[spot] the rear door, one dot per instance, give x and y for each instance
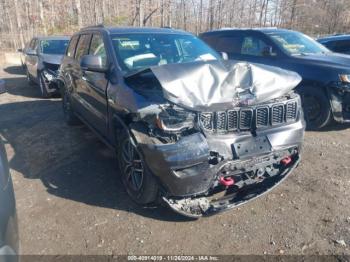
(31, 59)
(77, 75)
(95, 86)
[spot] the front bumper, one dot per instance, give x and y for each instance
(206, 206)
(191, 168)
(340, 102)
(50, 81)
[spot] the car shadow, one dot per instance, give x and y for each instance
(69, 161)
(15, 70)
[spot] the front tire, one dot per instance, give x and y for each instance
(29, 78)
(138, 180)
(316, 105)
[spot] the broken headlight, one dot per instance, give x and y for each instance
(48, 75)
(175, 119)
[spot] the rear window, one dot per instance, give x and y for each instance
(230, 44)
(342, 46)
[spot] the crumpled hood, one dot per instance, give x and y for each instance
(51, 59)
(220, 85)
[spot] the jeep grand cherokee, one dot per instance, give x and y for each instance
(199, 133)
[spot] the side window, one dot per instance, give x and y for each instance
(253, 46)
(229, 44)
(342, 46)
(97, 47)
(83, 46)
(33, 44)
(36, 43)
(72, 45)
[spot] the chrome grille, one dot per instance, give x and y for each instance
(248, 118)
(277, 114)
(221, 121)
(232, 120)
(206, 120)
(262, 116)
(291, 111)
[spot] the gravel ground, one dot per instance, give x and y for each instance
(70, 200)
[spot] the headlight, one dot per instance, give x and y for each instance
(174, 119)
(48, 76)
(345, 78)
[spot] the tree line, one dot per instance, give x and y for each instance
(22, 19)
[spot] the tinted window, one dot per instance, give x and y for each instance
(342, 46)
(253, 46)
(97, 47)
(230, 44)
(72, 45)
(137, 51)
(83, 46)
(53, 47)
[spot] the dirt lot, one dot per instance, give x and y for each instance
(70, 200)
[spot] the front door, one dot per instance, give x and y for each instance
(95, 87)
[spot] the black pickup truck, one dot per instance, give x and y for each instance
(190, 129)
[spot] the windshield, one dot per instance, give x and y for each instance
(53, 47)
(138, 51)
(295, 43)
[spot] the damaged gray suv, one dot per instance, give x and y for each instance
(190, 129)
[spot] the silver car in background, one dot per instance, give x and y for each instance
(41, 60)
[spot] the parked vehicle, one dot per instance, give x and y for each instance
(186, 127)
(325, 88)
(42, 59)
(337, 43)
(8, 217)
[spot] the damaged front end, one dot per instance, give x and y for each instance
(339, 93)
(227, 137)
(50, 74)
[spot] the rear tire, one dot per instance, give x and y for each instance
(316, 105)
(68, 112)
(138, 180)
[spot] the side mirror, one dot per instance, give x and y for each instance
(268, 51)
(224, 55)
(92, 63)
(31, 52)
(20, 50)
